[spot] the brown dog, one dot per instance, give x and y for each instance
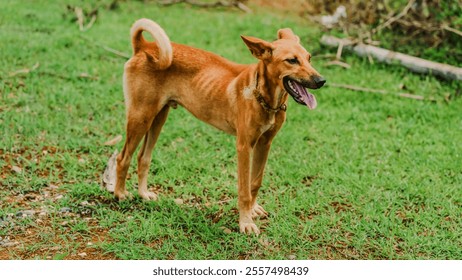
(248, 101)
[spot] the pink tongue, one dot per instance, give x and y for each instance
(307, 97)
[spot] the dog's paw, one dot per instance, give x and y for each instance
(123, 195)
(148, 195)
(247, 226)
(258, 211)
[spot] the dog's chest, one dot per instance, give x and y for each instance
(267, 125)
(265, 128)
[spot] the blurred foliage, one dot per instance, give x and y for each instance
(427, 28)
(431, 29)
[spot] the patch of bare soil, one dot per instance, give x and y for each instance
(42, 231)
(35, 226)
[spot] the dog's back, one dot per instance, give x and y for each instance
(176, 72)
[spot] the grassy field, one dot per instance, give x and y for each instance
(364, 176)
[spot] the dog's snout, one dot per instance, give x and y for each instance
(320, 81)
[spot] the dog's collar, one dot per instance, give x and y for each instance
(262, 101)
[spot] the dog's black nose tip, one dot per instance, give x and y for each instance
(320, 81)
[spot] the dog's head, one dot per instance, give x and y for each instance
(288, 62)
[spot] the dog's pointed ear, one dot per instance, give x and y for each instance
(287, 33)
(259, 48)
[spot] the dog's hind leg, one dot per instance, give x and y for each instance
(145, 154)
(138, 123)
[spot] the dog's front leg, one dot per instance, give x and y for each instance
(259, 159)
(244, 150)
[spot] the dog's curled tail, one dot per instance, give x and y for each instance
(163, 42)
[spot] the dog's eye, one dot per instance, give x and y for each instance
(292, 60)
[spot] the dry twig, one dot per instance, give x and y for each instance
(221, 3)
(338, 56)
(24, 70)
(114, 51)
(113, 141)
(395, 18)
(106, 48)
(338, 63)
(450, 29)
(90, 24)
(380, 91)
(79, 13)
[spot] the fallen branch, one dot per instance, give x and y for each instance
(81, 18)
(106, 48)
(237, 4)
(338, 55)
(90, 24)
(24, 71)
(338, 63)
(113, 141)
(84, 75)
(414, 64)
(380, 91)
(56, 75)
(453, 30)
(116, 52)
(50, 73)
(79, 14)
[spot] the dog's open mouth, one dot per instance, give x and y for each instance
(299, 93)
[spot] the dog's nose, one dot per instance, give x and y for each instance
(320, 81)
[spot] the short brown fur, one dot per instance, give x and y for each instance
(161, 75)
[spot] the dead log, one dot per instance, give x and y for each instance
(413, 63)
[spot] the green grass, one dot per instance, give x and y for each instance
(364, 176)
